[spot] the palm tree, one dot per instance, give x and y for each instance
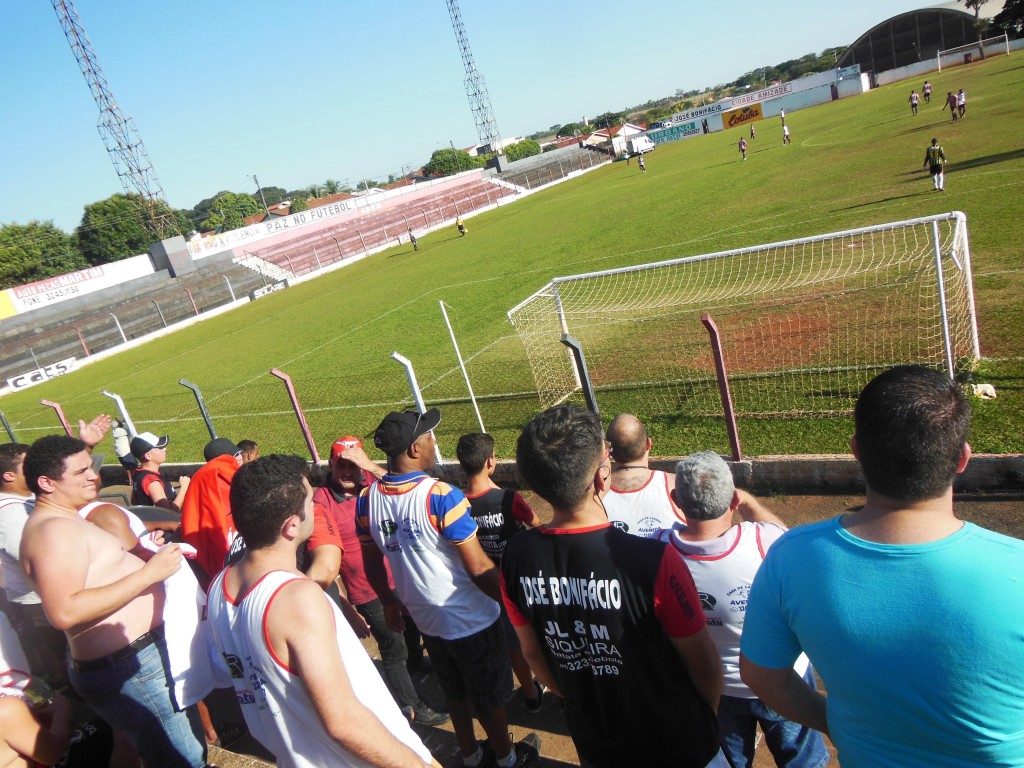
(332, 186)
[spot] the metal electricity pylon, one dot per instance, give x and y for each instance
(476, 88)
(122, 140)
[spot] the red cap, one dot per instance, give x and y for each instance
(348, 441)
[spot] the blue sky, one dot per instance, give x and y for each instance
(302, 91)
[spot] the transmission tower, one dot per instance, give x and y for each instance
(118, 132)
(476, 88)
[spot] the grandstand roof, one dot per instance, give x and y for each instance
(910, 37)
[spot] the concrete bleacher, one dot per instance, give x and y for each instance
(378, 226)
(532, 172)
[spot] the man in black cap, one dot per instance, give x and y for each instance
(148, 485)
(446, 582)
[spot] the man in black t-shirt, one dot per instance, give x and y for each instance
(610, 622)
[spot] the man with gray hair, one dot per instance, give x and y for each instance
(723, 558)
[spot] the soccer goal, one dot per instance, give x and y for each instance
(804, 323)
(964, 54)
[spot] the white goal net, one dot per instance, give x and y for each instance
(963, 54)
(804, 323)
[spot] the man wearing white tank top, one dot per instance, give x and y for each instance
(308, 690)
(639, 500)
(723, 558)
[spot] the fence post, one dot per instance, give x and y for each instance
(35, 359)
(81, 338)
(582, 374)
(7, 427)
(231, 290)
(417, 396)
(424, 212)
(340, 254)
(125, 417)
(723, 386)
(60, 415)
(119, 328)
(202, 406)
(362, 241)
(298, 412)
(190, 298)
(316, 256)
(159, 312)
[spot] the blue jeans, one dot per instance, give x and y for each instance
(134, 695)
(791, 744)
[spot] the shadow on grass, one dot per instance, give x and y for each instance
(917, 128)
(889, 199)
(977, 162)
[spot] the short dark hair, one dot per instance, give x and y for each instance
(46, 458)
(9, 455)
(473, 451)
(558, 452)
(911, 424)
(265, 493)
(245, 446)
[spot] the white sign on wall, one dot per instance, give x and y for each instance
(39, 375)
(53, 290)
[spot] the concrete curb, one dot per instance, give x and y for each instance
(765, 475)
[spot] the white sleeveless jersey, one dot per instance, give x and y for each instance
(14, 512)
(430, 579)
(184, 629)
(275, 703)
(646, 511)
(723, 582)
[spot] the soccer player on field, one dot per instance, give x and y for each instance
(927, 92)
(951, 103)
(743, 148)
(914, 100)
(935, 158)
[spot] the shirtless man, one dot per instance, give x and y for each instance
(109, 603)
(639, 498)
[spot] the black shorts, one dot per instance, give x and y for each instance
(934, 170)
(476, 666)
(89, 745)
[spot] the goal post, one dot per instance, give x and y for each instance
(983, 48)
(805, 323)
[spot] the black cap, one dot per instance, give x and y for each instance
(219, 447)
(144, 443)
(400, 429)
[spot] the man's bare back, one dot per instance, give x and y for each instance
(66, 554)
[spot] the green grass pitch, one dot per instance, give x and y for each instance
(852, 163)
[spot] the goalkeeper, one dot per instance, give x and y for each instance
(935, 159)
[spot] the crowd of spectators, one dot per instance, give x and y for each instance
(669, 616)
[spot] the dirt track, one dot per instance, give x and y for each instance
(1002, 512)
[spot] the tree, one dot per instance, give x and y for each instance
(332, 186)
(116, 228)
(1011, 18)
(299, 203)
(979, 25)
(446, 161)
(228, 211)
(522, 149)
(570, 129)
(273, 195)
(32, 251)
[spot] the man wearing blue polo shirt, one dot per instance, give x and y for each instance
(446, 582)
(910, 615)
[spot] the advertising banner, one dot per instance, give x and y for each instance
(53, 290)
(764, 94)
(675, 132)
(690, 114)
(742, 116)
(265, 290)
(39, 375)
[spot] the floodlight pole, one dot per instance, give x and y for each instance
(202, 406)
(7, 427)
(132, 432)
(582, 374)
(417, 396)
(723, 386)
(462, 366)
(60, 415)
(298, 412)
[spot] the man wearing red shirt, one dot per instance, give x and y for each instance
(335, 550)
(206, 521)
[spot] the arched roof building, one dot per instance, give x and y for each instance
(909, 38)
